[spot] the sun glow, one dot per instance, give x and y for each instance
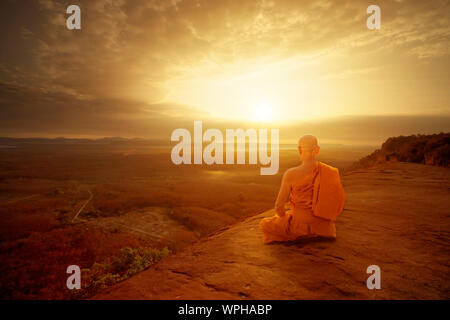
(262, 111)
(267, 93)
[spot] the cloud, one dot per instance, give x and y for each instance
(30, 111)
(131, 48)
(128, 53)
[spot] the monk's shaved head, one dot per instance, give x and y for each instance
(308, 148)
(308, 142)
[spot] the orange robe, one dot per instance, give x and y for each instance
(315, 201)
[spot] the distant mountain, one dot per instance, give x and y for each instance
(8, 141)
(426, 149)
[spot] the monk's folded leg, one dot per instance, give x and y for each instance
(324, 229)
(275, 228)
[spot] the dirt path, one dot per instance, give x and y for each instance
(122, 221)
(396, 217)
(75, 217)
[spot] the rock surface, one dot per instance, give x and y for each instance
(397, 216)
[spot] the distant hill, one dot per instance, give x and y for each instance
(425, 149)
(9, 141)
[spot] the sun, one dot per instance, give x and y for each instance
(262, 111)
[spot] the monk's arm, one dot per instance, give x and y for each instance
(283, 195)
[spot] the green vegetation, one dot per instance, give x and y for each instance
(118, 268)
(426, 149)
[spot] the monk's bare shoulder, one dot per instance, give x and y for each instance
(290, 172)
(295, 174)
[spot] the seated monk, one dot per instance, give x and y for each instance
(315, 195)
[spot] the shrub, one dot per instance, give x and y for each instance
(118, 268)
(426, 149)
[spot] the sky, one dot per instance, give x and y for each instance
(145, 68)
